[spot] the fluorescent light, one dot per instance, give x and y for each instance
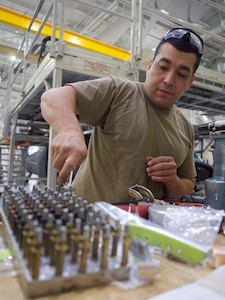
(12, 58)
(164, 12)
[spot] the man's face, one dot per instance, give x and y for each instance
(169, 76)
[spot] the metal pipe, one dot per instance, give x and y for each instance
(25, 62)
(132, 36)
(149, 11)
(40, 29)
(7, 106)
(185, 24)
(140, 26)
(36, 12)
(96, 26)
(54, 21)
(25, 40)
(61, 26)
(19, 50)
(104, 9)
(11, 148)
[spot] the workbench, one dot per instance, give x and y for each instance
(172, 274)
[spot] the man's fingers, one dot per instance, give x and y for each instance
(65, 171)
(62, 178)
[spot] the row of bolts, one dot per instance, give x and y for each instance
(56, 223)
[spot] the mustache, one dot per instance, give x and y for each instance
(165, 89)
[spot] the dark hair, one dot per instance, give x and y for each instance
(181, 45)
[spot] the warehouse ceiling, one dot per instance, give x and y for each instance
(110, 21)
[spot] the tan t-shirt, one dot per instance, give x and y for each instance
(127, 129)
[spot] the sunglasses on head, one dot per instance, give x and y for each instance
(189, 35)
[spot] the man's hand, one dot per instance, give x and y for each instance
(162, 169)
(68, 152)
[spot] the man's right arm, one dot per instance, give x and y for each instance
(59, 108)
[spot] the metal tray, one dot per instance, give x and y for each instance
(48, 283)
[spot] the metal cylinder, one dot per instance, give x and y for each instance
(219, 159)
(215, 193)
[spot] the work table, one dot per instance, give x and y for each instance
(172, 274)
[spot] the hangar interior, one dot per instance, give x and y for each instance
(48, 43)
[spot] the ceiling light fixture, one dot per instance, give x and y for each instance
(12, 58)
(164, 12)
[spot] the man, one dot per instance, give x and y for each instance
(139, 137)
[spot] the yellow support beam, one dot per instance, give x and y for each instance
(14, 19)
